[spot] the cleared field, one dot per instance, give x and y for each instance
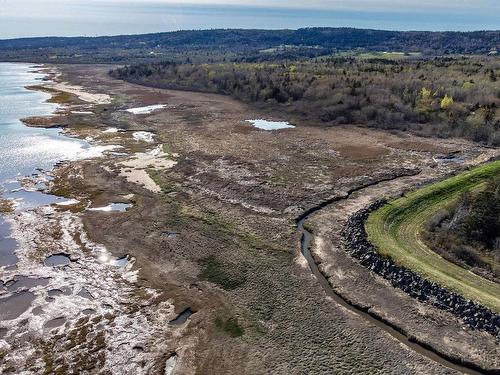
(395, 230)
(393, 55)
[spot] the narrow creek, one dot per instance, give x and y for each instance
(305, 245)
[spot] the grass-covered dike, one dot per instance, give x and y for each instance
(396, 231)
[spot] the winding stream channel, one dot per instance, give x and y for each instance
(420, 348)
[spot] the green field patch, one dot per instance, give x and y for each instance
(229, 326)
(221, 274)
(396, 231)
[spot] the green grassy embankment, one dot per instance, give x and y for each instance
(396, 231)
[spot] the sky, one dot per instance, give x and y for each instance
(26, 18)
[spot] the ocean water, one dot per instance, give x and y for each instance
(24, 150)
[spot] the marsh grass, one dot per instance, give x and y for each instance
(221, 274)
(6, 206)
(230, 326)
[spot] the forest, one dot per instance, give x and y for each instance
(468, 232)
(442, 96)
(219, 45)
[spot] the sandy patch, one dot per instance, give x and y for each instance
(81, 93)
(135, 168)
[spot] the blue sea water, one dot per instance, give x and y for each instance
(23, 149)
(26, 151)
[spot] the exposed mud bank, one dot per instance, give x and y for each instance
(357, 244)
(403, 172)
(67, 304)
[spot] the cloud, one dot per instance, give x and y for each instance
(353, 5)
(107, 17)
(51, 8)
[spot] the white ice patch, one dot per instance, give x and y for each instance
(82, 112)
(69, 202)
(145, 110)
(170, 364)
(111, 130)
(112, 207)
(81, 93)
(143, 136)
(63, 149)
(270, 125)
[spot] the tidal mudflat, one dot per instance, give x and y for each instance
(53, 278)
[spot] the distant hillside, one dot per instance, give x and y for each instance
(233, 44)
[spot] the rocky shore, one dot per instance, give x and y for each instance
(356, 243)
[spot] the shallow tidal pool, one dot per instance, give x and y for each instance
(270, 125)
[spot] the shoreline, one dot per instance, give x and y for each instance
(66, 298)
(97, 183)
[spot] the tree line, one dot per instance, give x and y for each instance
(444, 97)
(233, 44)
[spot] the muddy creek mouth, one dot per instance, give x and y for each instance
(305, 244)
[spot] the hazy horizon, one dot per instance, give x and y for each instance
(32, 18)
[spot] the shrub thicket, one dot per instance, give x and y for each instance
(469, 231)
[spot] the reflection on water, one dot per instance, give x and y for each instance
(119, 207)
(270, 125)
(13, 306)
(182, 317)
(22, 148)
(57, 260)
(25, 200)
(24, 151)
(121, 262)
(57, 322)
(7, 245)
(26, 282)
